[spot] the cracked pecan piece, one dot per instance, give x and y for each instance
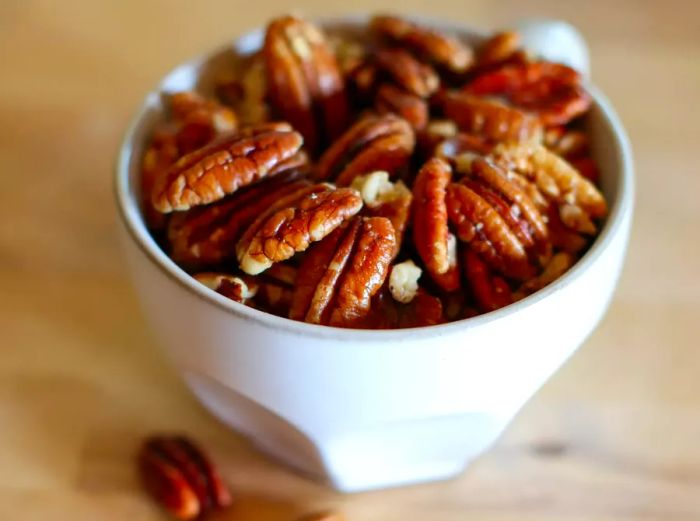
(431, 234)
(551, 90)
(490, 119)
(373, 143)
(442, 50)
(207, 235)
(303, 79)
(481, 225)
(382, 198)
(490, 291)
(223, 166)
(410, 107)
(229, 286)
(339, 276)
(292, 223)
(578, 199)
(181, 478)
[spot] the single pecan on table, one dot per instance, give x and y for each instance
(441, 183)
(181, 478)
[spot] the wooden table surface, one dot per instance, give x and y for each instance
(615, 435)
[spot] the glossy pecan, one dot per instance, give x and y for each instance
(373, 143)
(557, 266)
(461, 149)
(181, 478)
(382, 198)
(207, 235)
(222, 167)
(490, 291)
(489, 119)
(304, 82)
(410, 107)
(292, 223)
(439, 48)
(578, 199)
(498, 48)
(551, 90)
(431, 234)
(481, 225)
(407, 72)
(339, 276)
(387, 313)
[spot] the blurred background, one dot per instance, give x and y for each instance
(614, 435)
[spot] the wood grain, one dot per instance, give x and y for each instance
(613, 436)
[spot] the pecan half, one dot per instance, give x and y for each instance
(481, 225)
(551, 90)
(207, 235)
(407, 72)
(461, 149)
(304, 82)
(410, 107)
(339, 276)
(293, 223)
(498, 48)
(557, 266)
(373, 143)
(439, 48)
(431, 235)
(488, 118)
(558, 181)
(181, 478)
(222, 167)
(382, 198)
(491, 292)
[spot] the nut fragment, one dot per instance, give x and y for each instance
(489, 119)
(441, 49)
(229, 286)
(558, 265)
(382, 198)
(373, 143)
(181, 478)
(304, 80)
(403, 281)
(222, 167)
(293, 223)
(339, 276)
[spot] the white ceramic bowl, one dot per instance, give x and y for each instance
(369, 409)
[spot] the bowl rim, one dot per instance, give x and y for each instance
(131, 219)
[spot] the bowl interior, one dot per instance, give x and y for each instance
(610, 149)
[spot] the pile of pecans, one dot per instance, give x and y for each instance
(402, 180)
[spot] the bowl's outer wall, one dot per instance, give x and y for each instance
(376, 413)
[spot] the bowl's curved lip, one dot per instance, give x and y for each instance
(129, 213)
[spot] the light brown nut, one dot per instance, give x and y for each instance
(441, 49)
(229, 286)
(489, 119)
(557, 266)
(410, 107)
(490, 292)
(403, 281)
(207, 235)
(386, 313)
(482, 227)
(554, 176)
(562, 237)
(304, 80)
(180, 477)
(293, 223)
(498, 48)
(407, 72)
(430, 222)
(222, 167)
(245, 89)
(340, 275)
(382, 198)
(373, 143)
